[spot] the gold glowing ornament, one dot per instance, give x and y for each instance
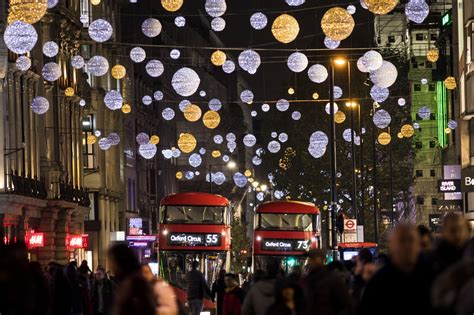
(291, 91)
(447, 130)
(400, 135)
(69, 92)
(218, 58)
(407, 131)
(339, 117)
(118, 72)
(450, 83)
(248, 173)
(432, 55)
(91, 139)
(95, 2)
(211, 119)
(179, 175)
(172, 5)
(126, 108)
(192, 113)
(384, 138)
(285, 28)
(380, 6)
(315, 96)
(186, 142)
(337, 23)
(28, 11)
(154, 139)
(216, 153)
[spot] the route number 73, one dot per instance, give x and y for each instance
(303, 244)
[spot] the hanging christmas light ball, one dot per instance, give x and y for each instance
(274, 134)
(97, 133)
(180, 21)
(282, 105)
(218, 24)
(384, 138)
(337, 23)
(228, 66)
(283, 137)
(175, 54)
(114, 138)
(230, 137)
(450, 83)
(77, 62)
(380, 7)
(315, 151)
(256, 160)
(51, 71)
(192, 113)
(185, 81)
(113, 100)
(189, 175)
(351, 9)
(258, 21)
(249, 60)
(339, 117)
(118, 72)
(379, 94)
(291, 91)
(417, 10)
(50, 49)
(183, 104)
(274, 146)
(452, 124)
(172, 5)
(249, 140)
(337, 92)
(167, 113)
(424, 112)
(296, 115)
(240, 180)
(151, 27)
(96, 2)
(407, 130)
(69, 92)
(195, 160)
(297, 62)
(105, 144)
(361, 65)
(215, 8)
(147, 150)
(186, 142)
(218, 58)
(315, 96)
(158, 95)
(347, 135)
(82, 103)
(317, 73)
(265, 107)
(432, 55)
(231, 146)
(216, 153)
(167, 154)
(147, 100)
(424, 81)
(100, 30)
(331, 43)
(142, 138)
(327, 108)
(91, 139)
(382, 119)
(246, 96)
(23, 63)
(372, 60)
(154, 139)
(401, 101)
(363, 4)
(385, 76)
(295, 3)
(137, 54)
(399, 135)
(20, 37)
(211, 119)
(214, 104)
(154, 68)
(28, 11)
(39, 105)
(285, 28)
(126, 109)
(218, 178)
(98, 66)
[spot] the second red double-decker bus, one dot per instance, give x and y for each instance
(285, 230)
(193, 227)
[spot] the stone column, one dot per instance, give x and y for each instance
(49, 217)
(102, 249)
(62, 231)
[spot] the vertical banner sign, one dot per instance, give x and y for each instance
(350, 231)
(452, 172)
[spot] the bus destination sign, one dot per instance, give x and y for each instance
(194, 239)
(286, 245)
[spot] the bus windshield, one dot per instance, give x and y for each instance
(286, 222)
(193, 215)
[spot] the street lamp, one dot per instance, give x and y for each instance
(230, 165)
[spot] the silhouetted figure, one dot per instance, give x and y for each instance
(102, 293)
(196, 289)
(218, 290)
(288, 299)
(165, 297)
(41, 289)
(233, 296)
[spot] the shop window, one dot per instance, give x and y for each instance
(432, 116)
(431, 87)
(419, 37)
(419, 145)
(434, 201)
(432, 144)
(391, 39)
(434, 37)
(432, 173)
(420, 200)
(88, 148)
(417, 87)
(419, 173)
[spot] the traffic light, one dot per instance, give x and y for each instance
(291, 262)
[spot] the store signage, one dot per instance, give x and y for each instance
(77, 241)
(467, 183)
(141, 238)
(194, 239)
(449, 205)
(135, 226)
(449, 185)
(435, 221)
(350, 230)
(138, 244)
(286, 245)
(35, 240)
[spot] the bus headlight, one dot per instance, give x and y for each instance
(165, 232)
(223, 233)
(258, 238)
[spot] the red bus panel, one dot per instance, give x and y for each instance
(293, 207)
(194, 237)
(284, 243)
(195, 199)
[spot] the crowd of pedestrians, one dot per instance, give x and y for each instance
(419, 275)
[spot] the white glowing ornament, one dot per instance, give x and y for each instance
(452, 124)
(218, 178)
(218, 24)
(147, 150)
(82, 103)
(185, 81)
(249, 60)
(114, 138)
(274, 146)
(265, 107)
(424, 112)
(151, 27)
(424, 81)
(361, 65)
(50, 49)
(256, 160)
(77, 62)
(294, 3)
(202, 93)
(195, 160)
(282, 105)
(189, 175)
(23, 63)
(297, 62)
(296, 115)
(39, 105)
(183, 104)
(347, 135)
(142, 138)
(175, 54)
(253, 113)
(214, 104)
(316, 151)
(215, 8)
(240, 180)
(158, 95)
(228, 66)
(328, 108)
(52, 3)
(417, 10)
(218, 139)
(319, 138)
(258, 21)
(100, 30)
(379, 94)
(331, 43)
(246, 96)
(385, 76)
(372, 60)
(168, 113)
(154, 68)
(180, 21)
(98, 66)
(351, 9)
(105, 144)
(382, 119)
(147, 100)
(97, 133)
(249, 140)
(137, 54)
(317, 73)
(283, 137)
(401, 101)
(113, 100)
(51, 71)
(20, 37)
(337, 92)
(231, 137)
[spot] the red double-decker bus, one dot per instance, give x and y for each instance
(193, 226)
(285, 230)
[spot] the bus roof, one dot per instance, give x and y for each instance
(194, 199)
(357, 245)
(288, 207)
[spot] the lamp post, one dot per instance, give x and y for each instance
(230, 165)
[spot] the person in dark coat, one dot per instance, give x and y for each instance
(233, 296)
(102, 293)
(218, 291)
(324, 291)
(288, 299)
(196, 289)
(402, 286)
(41, 289)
